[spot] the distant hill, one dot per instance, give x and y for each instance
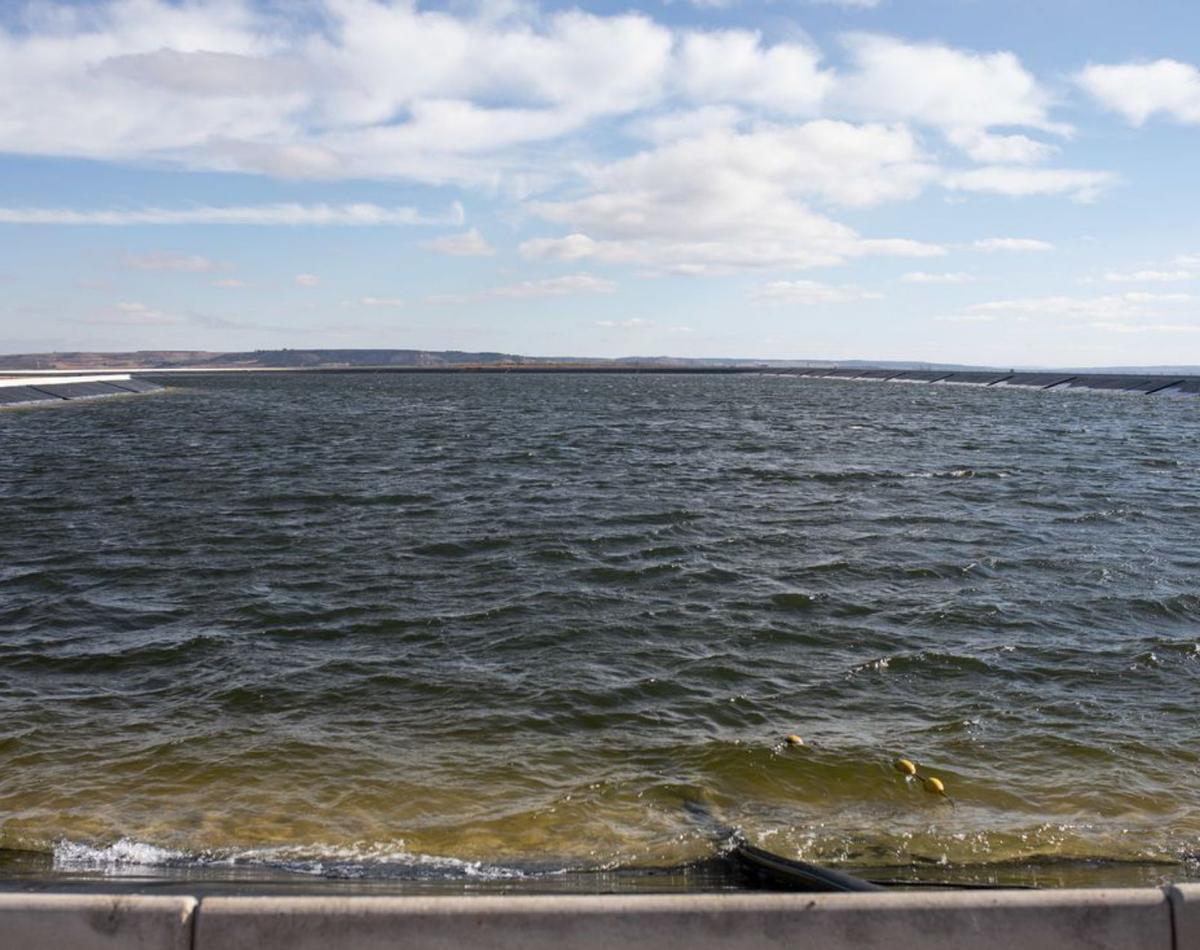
(264, 359)
(365, 358)
(320, 358)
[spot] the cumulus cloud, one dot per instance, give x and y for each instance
(965, 318)
(161, 260)
(547, 287)
(232, 85)
(1147, 327)
(849, 4)
(1149, 276)
(203, 73)
(467, 244)
(728, 201)
(391, 302)
(675, 124)
(1018, 181)
(1012, 244)
(634, 323)
(366, 89)
(1112, 308)
(263, 215)
(1138, 91)
(922, 277)
(942, 86)
(308, 280)
(229, 282)
(736, 66)
(749, 146)
(989, 148)
(807, 293)
(137, 314)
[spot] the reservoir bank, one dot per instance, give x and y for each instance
(24, 390)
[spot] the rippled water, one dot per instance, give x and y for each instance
(337, 623)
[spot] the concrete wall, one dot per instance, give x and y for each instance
(95, 922)
(1139, 919)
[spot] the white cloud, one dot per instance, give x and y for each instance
(941, 86)
(366, 89)
(392, 302)
(161, 260)
(203, 73)
(685, 123)
(735, 66)
(634, 323)
(1138, 296)
(135, 313)
(966, 318)
(467, 244)
(810, 293)
(849, 4)
(1112, 308)
(746, 163)
(1149, 276)
(987, 147)
(233, 85)
(273, 214)
(728, 201)
(548, 287)
(1139, 90)
(1012, 244)
(1018, 181)
(308, 280)
(229, 282)
(921, 277)
(1148, 327)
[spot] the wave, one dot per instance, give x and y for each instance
(888, 475)
(1061, 854)
(383, 861)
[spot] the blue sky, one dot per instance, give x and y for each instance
(945, 180)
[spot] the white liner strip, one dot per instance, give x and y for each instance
(60, 380)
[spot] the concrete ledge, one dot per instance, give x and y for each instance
(95, 922)
(1140, 919)
(1185, 909)
(992, 920)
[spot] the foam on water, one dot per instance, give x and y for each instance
(376, 861)
(121, 855)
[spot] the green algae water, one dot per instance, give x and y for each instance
(491, 626)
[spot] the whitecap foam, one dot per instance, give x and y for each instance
(384, 860)
(390, 859)
(124, 853)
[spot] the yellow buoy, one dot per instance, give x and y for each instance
(794, 739)
(934, 786)
(905, 767)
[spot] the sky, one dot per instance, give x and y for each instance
(993, 182)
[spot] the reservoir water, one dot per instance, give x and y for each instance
(354, 625)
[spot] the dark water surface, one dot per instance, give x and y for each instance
(478, 625)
